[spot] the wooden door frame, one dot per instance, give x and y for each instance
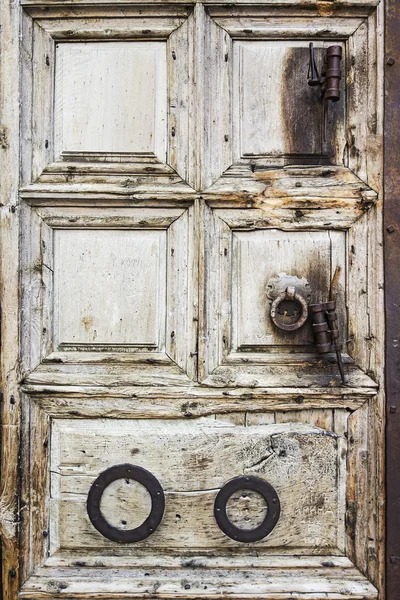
(392, 292)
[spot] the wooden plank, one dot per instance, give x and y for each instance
(69, 189)
(172, 402)
(281, 28)
(340, 427)
(110, 28)
(181, 102)
(215, 332)
(89, 374)
(42, 101)
(322, 583)
(357, 102)
(215, 51)
(39, 484)
(193, 559)
(321, 374)
(182, 299)
(318, 418)
(357, 511)
(9, 298)
(306, 3)
(115, 9)
(26, 97)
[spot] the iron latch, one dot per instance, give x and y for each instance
(325, 325)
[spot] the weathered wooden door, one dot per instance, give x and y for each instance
(174, 200)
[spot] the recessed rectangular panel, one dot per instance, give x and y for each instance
(262, 255)
(111, 97)
(276, 112)
(192, 461)
(109, 287)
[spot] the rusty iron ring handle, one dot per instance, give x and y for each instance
(153, 486)
(289, 294)
(256, 484)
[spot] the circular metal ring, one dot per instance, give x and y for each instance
(289, 296)
(151, 484)
(247, 483)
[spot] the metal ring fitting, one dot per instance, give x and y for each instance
(152, 485)
(289, 294)
(247, 483)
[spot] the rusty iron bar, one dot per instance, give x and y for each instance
(392, 293)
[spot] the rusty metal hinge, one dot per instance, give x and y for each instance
(329, 80)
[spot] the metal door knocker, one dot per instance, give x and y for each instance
(140, 475)
(290, 296)
(247, 483)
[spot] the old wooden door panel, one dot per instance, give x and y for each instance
(192, 461)
(173, 167)
(127, 269)
(257, 259)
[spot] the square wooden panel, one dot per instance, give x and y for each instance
(258, 258)
(272, 117)
(277, 116)
(244, 257)
(102, 99)
(111, 99)
(110, 288)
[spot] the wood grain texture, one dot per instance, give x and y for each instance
(110, 28)
(181, 101)
(239, 337)
(280, 28)
(359, 5)
(125, 272)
